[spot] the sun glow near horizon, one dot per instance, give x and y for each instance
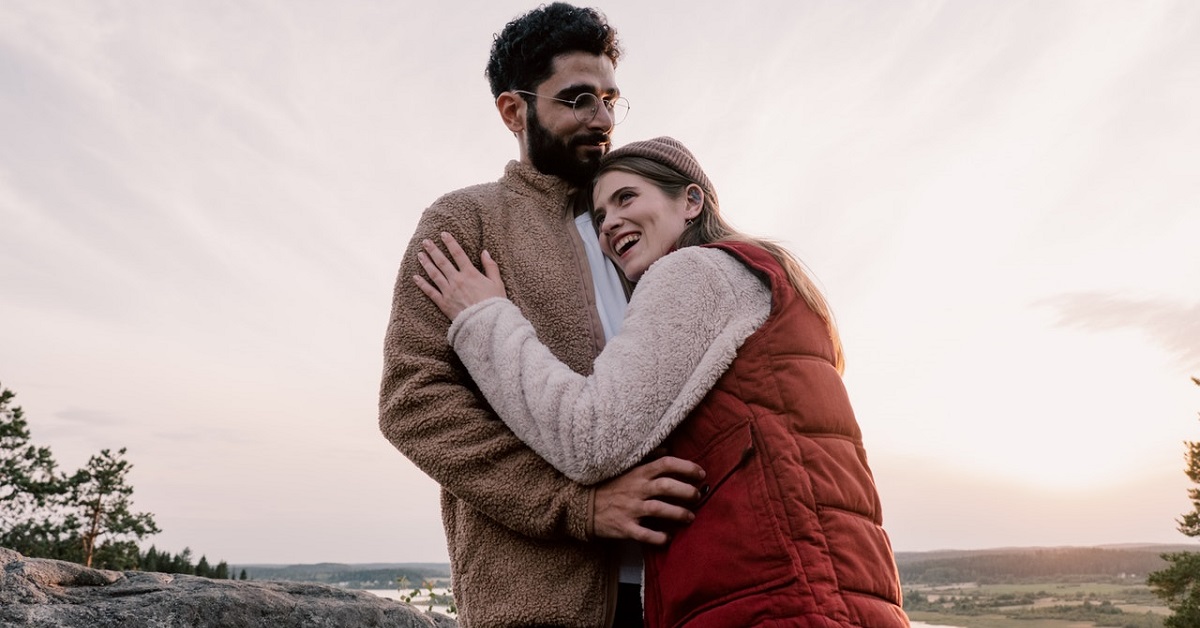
(1050, 409)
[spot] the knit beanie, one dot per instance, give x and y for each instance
(669, 152)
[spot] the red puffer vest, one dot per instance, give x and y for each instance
(788, 531)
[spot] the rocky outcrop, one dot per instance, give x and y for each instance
(56, 594)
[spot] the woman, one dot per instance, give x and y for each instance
(728, 357)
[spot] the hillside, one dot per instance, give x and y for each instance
(1035, 564)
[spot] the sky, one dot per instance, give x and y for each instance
(203, 207)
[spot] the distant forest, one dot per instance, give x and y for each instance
(364, 576)
(1059, 564)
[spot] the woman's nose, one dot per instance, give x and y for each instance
(609, 224)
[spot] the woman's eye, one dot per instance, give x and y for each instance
(625, 196)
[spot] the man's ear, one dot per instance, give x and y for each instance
(512, 110)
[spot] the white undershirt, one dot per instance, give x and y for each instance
(610, 293)
(610, 304)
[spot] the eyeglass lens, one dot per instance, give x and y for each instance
(587, 105)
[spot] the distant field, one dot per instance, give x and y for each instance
(994, 621)
(1035, 587)
(1036, 605)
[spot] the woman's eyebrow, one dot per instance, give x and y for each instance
(617, 192)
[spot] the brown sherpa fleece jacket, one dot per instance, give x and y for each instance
(519, 532)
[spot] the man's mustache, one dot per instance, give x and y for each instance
(591, 140)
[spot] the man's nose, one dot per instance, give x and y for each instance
(603, 120)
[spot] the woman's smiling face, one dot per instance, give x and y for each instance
(639, 222)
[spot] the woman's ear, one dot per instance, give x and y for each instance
(695, 201)
(512, 111)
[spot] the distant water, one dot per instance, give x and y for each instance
(423, 603)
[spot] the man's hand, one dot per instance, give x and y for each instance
(650, 490)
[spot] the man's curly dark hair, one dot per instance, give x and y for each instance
(523, 53)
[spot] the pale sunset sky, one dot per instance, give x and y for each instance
(203, 206)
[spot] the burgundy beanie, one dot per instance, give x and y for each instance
(669, 152)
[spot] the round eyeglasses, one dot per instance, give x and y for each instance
(586, 105)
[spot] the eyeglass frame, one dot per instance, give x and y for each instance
(609, 104)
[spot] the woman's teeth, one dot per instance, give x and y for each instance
(625, 242)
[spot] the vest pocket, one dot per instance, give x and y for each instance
(725, 457)
(732, 549)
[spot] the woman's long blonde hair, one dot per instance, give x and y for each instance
(709, 227)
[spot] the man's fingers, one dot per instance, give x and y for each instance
(660, 490)
(645, 535)
(676, 467)
(669, 512)
(672, 489)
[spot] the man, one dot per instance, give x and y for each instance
(524, 541)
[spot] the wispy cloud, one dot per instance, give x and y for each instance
(1173, 325)
(90, 417)
(196, 434)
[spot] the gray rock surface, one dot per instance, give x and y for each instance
(56, 594)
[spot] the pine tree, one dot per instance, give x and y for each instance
(116, 555)
(149, 561)
(182, 562)
(85, 517)
(100, 501)
(30, 488)
(1179, 582)
(202, 567)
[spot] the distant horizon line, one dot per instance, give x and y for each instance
(1124, 545)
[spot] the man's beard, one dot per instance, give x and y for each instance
(559, 156)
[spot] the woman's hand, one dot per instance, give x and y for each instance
(457, 284)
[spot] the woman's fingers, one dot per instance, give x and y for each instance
(440, 290)
(454, 283)
(443, 263)
(435, 273)
(433, 293)
(490, 267)
(460, 256)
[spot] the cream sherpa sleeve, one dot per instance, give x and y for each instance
(689, 314)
